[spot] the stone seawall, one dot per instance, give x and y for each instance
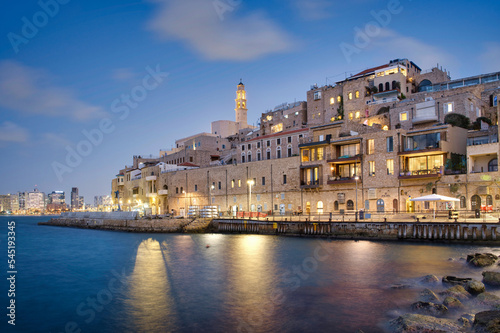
(435, 231)
(142, 225)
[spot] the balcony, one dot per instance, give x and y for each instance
(151, 195)
(162, 192)
(150, 178)
(431, 148)
(345, 159)
(420, 174)
(424, 119)
(136, 177)
(334, 180)
(311, 183)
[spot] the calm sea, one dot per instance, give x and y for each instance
(75, 280)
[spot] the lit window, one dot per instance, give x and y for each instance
(390, 167)
(296, 113)
(339, 98)
(332, 100)
(357, 114)
(357, 93)
(277, 128)
(448, 107)
(350, 115)
(349, 96)
(232, 183)
(286, 116)
(239, 182)
(371, 165)
(317, 95)
(371, 146)
(385, 128)
(403, 116)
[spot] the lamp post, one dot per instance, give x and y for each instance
(356, 178)
(250, 182)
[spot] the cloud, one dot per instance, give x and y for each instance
(391, 44)
(490, 57)
(30, 91)
(216, 32)
(123, 74)
(11, 132)
(312, 10)
(55, 140)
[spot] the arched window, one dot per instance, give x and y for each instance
(350, 205)
(242, 157)
(319, 207)
(380, 87)
(336, 205)
(395, 206)
(387, 86)
(249, 157)
(308, 207)
(357, 94)
(289, 150)
(278, 152)
(462, 202)
(393, 85)
(425, 85)
(258, 155)
(493, 165)
(475, 202)
(380, 206)
(489, 200)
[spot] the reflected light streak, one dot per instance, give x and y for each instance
(150, 296)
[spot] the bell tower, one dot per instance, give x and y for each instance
(241, 106)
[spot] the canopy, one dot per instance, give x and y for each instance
(434, 197)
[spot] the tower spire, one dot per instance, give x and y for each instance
(241, 105)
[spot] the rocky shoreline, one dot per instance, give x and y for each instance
(464, 306)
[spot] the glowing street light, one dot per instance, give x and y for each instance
(356, 178)
(250, 182)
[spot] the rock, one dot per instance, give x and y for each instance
(400, 286)
(482, 259)
(488, 299)
(429, 308)
(458, 292)
(453, 280)
(429, 279)
(452, 303)
(487, 321)
(475, 287)
(491, 278)
(412, 322)
(428, 295)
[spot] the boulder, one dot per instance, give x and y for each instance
(452, 303)
(466, 320)
(488, 299)
(428, 295)
(487, 321)
(429, 279)
(411, 322)
(429, 308)
(491, 278)
(453, 280)
(458, 292)
(475, 287)
(482, 259)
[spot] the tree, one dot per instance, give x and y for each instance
(458, 120)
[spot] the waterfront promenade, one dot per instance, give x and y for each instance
(399, 227)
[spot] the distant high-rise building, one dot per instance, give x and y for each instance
(22, 200)
(35, 200)
(5, 205)
(81, 202)
(75, 198)
(57, 197)
(14, 202)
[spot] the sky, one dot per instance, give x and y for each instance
(85, 85)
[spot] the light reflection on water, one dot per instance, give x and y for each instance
(238, 283)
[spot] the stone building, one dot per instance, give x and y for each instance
(372, 141)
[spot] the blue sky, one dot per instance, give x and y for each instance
(67, 67)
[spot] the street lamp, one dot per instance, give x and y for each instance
(356, 178)
(250, 182)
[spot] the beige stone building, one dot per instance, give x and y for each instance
(372, 141)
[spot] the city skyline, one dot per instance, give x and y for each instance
(66, 70)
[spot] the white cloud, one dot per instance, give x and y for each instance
(313, 10)
(55, 140)
(219, 33)
(394, 45)
(123, 74)
(30, 91)
(490, 57)
(11, 132)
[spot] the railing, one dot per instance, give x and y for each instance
(420, 172)
(460, 83)
(481, 140)
(310, 183)
(136, 177)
